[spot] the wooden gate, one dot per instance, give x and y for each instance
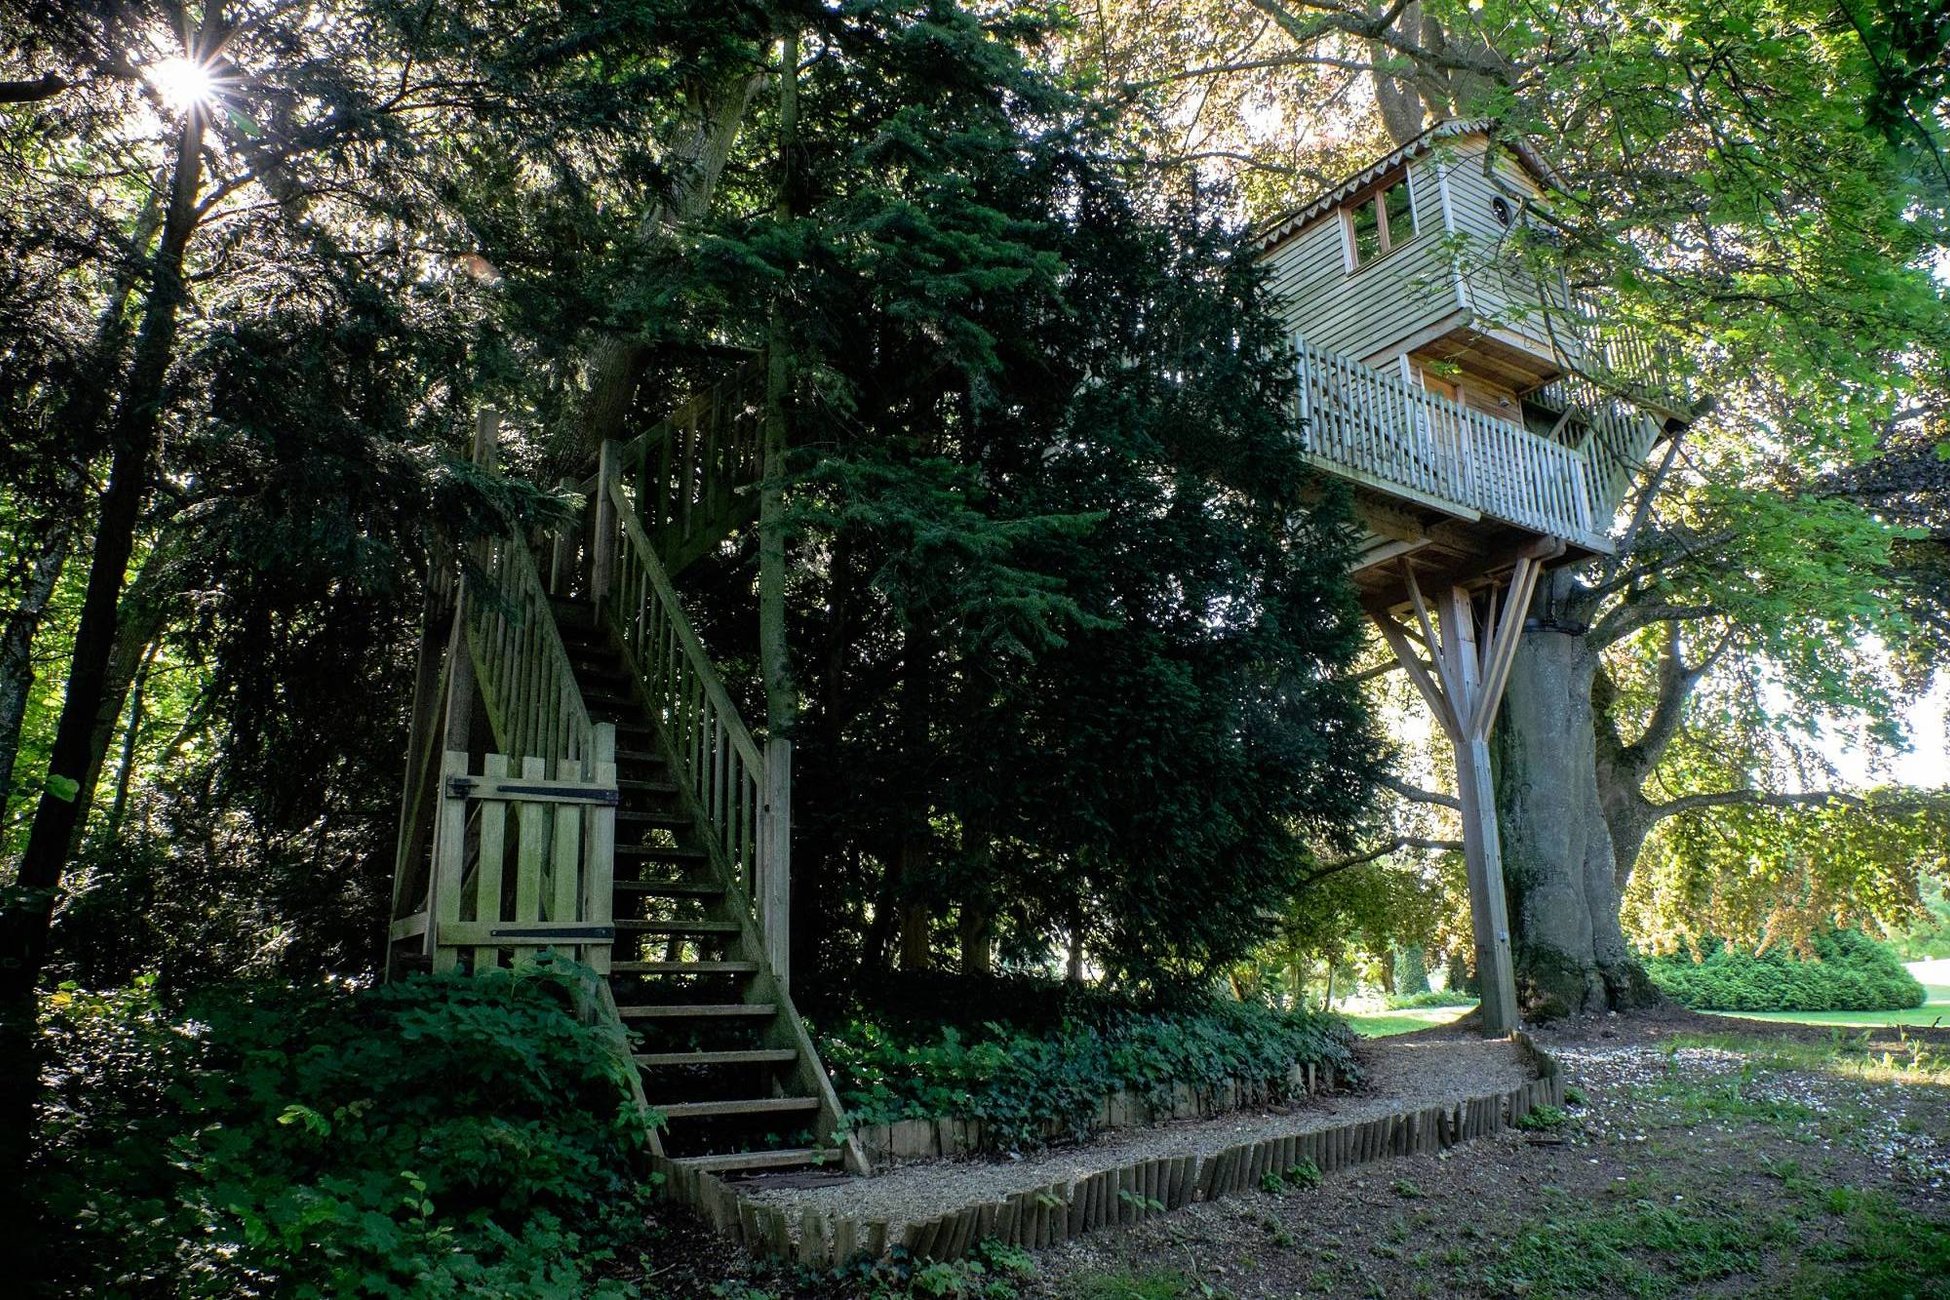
(521, 862)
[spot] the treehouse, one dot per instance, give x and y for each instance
(580, 781)
(1478, 406)
(1488, 418)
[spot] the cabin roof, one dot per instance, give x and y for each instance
(1281, 227)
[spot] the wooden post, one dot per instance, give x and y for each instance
(598, 877)
(1462, 681)
(449, 844)
(560, 557)
(487, 439)
(774, 891)
(602, 547)
(493, 850)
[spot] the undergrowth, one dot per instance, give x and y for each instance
(1026, 1087)
(1429, 998)
(460, 1136)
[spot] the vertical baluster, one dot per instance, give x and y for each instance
(696, 749)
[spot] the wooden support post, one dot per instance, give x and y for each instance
(1462, 681)
(449, 846)
(560, 554)
(602, 546)
(488, 872)
(775, 858)
(487, 439)
(599, 837)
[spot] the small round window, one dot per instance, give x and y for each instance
(1500, 209)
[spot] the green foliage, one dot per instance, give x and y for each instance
(1754, 874)
(434, 1137)
(1430, 998)
(1021, 1085)
(1844, 971)
(1411, 971)
(1927, 936)
(1304, 1177)
(1165, 1284)
(990, 1271)
(1544, 1117)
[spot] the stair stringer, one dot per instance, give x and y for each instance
(786, 1030)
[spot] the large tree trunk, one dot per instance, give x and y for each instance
(1559, 861)
(28, 908)
(695, 161)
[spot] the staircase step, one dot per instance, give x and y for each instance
(745, 1056)
(751, 1106)
(699, 1011)
(606, 700)
(660, 853)
(683, 967)
(654, 817)
(626, 926)
(647, 787)
(785, 1158)
(670, 888)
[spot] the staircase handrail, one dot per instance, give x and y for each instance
(533, 703)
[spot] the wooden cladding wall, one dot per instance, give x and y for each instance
(1382, 305)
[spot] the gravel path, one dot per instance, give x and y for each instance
(1401, 1076)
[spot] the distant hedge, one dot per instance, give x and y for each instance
(1848, 972)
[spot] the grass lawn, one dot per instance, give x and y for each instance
(1381, 1024)
(1934, 976)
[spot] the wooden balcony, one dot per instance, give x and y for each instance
(1445, 473)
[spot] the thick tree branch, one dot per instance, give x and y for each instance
(1395, 845)
(1419, 795)
(45, 86)
(1905, 803)
(1629, 618)
(1677, 682)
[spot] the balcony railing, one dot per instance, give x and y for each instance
(1377, 430)
(1589, 335)
(1622, 356)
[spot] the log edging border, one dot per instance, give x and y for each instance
(1056, 1212)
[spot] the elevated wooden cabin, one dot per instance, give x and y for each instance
(1481, 408)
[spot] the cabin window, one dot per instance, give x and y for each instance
(1382, 221)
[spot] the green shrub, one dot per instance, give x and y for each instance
(1430, 998)
(437, 1137)
(1020, 1084)
(1848, 972)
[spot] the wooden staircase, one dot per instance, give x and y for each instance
(659, 856)
(721, 1051)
